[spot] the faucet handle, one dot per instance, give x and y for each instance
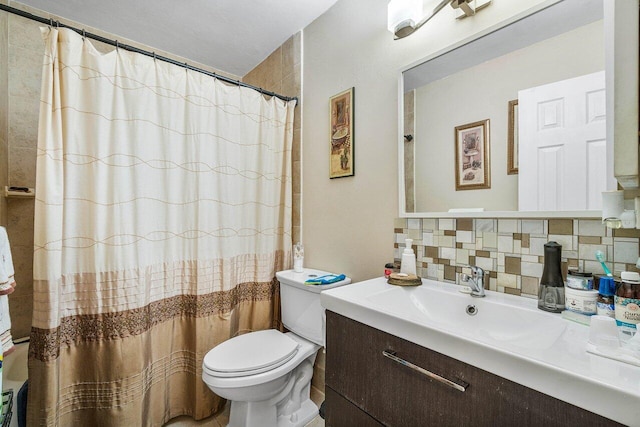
(476, 280)
(475, 270)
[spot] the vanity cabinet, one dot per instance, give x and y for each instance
(366, 388)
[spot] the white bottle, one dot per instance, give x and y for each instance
(408, 262)
(298, 258)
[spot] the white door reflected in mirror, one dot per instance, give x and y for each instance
(563, 146)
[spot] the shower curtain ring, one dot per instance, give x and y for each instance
(83, 34)
(117, 45)
(154, 56)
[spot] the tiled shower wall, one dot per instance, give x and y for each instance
(409, 149)
(281, 72)
(4, 114)
(511, 251)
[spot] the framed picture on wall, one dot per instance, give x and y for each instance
(341, 134)
(512, 139)
(472, 167)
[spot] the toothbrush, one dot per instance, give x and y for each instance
(600, 257)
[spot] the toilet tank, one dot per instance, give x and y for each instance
(302, 313)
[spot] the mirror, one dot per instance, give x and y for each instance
(455, 103)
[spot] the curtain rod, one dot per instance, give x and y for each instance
(119, 45)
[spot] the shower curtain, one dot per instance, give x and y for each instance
(163, 211)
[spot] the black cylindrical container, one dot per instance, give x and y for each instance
(551, 290)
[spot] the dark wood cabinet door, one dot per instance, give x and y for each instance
(344, 414)
(398, 396)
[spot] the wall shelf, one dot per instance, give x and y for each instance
(12, 192)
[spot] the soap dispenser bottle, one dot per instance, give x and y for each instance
(551, 290)
(298, 258)
(408, 262)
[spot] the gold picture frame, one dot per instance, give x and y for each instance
(473, 166)
(512, 139)
(341, 139)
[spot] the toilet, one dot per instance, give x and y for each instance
(266, 375)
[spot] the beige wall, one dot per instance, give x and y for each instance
(348, 222)
(21, 53)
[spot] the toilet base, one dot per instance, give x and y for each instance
(303, 416)
(291, 407)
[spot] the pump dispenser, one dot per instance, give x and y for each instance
(298, 258)
(551, 290)
(408, 262)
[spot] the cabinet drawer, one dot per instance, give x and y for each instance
(397, 395)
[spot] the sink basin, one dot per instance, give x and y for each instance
(507, 336)
(461, 314)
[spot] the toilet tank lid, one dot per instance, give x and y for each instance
(292, 278)
(250, 352)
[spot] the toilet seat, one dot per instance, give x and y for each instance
(250, 354)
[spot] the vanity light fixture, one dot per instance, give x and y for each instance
(404, 17)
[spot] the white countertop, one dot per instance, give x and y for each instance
(554, 363)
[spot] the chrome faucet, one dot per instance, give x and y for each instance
(475, 281)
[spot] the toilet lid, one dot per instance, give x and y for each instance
(250, 353)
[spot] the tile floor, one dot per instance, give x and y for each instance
(222, 419)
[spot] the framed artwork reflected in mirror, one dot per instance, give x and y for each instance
(512, 139)
(473, 171)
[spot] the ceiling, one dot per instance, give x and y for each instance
(230, 35)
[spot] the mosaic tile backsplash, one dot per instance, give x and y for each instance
(511, 251)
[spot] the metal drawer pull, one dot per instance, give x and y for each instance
(458, 384)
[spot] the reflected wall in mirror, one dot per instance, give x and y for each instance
(477, 81)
